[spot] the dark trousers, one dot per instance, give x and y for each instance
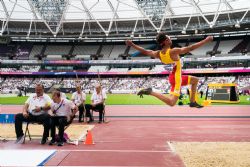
(81, 110)
(61, 122)
(41, 119)
(99, 108)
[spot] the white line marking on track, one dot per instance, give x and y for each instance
(122, 151)
(171, 147)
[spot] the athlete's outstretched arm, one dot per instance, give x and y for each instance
(189, 48)
(150, 53)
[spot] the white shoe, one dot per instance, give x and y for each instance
(20, 140)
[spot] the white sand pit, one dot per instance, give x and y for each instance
(214, 154)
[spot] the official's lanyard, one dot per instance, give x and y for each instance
(58, 106)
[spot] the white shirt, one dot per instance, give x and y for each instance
(97, 98)
(63, 95)
(65, 108)
(78, 98)
(33, 101)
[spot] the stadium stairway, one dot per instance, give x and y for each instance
(72, 49)
(216, 46)
(43, 50)
(114, 83)
(99, 50)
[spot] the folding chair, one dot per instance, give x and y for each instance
(28, 132)
(103, 114)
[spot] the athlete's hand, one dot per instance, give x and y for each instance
(209, 39)
(129, 42)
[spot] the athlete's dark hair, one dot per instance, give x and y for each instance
(161, 37)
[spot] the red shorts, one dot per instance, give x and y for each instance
(177, 80)
(176, 88)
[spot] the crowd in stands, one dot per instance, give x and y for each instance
(117, 85)
(47, 82)
(244, 84)
(203, 82)
(70, 83)
(128, 85)
(13, 85)
(23, 68)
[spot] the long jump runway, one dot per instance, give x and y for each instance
(142, 135)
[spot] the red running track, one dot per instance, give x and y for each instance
(139, 135)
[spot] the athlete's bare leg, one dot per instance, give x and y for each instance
(194, 83)
(169, 100)
(172, 99)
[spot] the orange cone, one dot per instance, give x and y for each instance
(89, 138)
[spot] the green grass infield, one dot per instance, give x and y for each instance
(121, 99)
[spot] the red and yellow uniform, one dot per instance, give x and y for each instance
(175, 78)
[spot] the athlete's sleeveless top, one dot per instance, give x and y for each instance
(165, 58)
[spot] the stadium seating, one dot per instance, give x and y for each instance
(201, 52)
(112, 51)
(226, 46)
(116, 51)
(98, 69)
(118, 70)
(242, 46)
(36, 50)
(106, 51)
(57, 49)
(139, 70)
(85, 49)
(158, 68)
(23, 51)
(5, 50)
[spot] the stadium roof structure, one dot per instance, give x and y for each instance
(120, 19)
